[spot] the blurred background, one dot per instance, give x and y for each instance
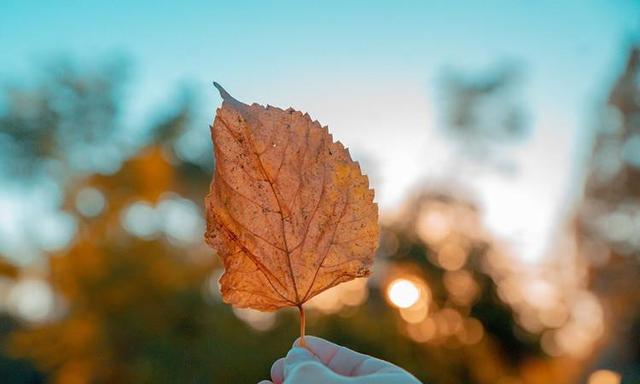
(502, 138)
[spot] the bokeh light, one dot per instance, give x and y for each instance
(180, 219)
(260, 321)
(350, 294)
(452, 256)
(403, 293)
(141, 219)
(90, 202)
(32, 300)
(604, 377)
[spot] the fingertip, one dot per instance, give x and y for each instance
(265, 382)
(324, 350)
(311, 371)
(309, 339)
(297, 357)
(277, 371)
(298, 353)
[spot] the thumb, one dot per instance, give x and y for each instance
(302, 367)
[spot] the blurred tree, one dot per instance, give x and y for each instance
(608, 221)
(7, 269)
(482, 112)
(15, 370)
(468, 335)
(483, 115)
(66, 122)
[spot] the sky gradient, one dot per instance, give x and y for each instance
(367, 69)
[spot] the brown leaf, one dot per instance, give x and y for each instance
(289, 212)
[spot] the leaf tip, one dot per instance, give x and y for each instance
(223, 92)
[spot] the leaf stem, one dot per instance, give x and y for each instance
(302, 326)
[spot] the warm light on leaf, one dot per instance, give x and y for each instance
(289, 212)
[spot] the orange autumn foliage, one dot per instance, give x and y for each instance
(120, 293)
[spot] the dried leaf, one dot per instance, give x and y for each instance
(289, 212)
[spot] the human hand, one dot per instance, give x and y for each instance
(323, 362)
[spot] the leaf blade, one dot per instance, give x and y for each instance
(289, 212)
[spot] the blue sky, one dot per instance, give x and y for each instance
(368, 69)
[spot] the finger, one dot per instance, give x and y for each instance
(380, 368)
(295, 356)
(323, 349)
(371, 365)
(385, 378)
(265, 382)
(277, 371)
(345, 361)
(303, 367)
(313, 372)
(298, 356)
(339, 359)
